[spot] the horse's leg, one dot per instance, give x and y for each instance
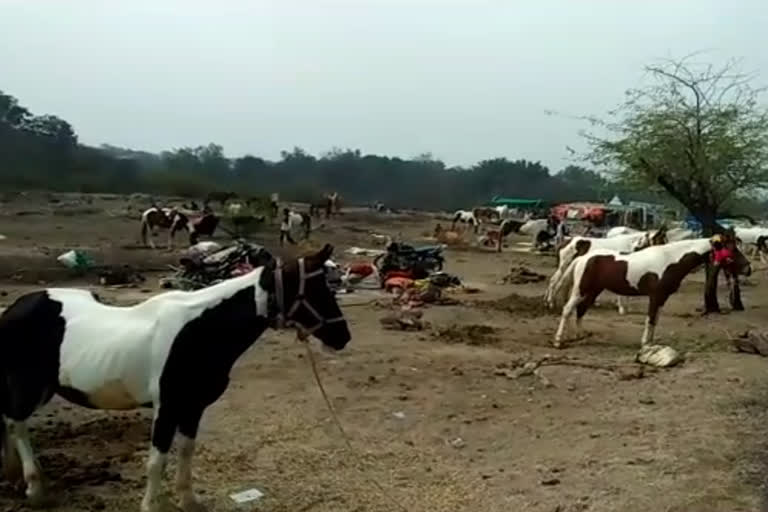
(163, 430)
(152, 233)
(18, 432)
(11, 462)
(581, 309)
(620, 303)
(187, 434)
(566, 314)
(654, 305)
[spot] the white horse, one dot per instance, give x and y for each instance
(172, 352)
(755, 238)
(533, 227)
(680, 233)
(655, 272)
(235, 209)
(621, 230)
(503, 212)
(301, 220)
(579, 245)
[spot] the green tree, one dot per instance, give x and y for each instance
(696, 131)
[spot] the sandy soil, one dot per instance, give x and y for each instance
(432, 420)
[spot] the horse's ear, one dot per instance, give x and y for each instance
(324, 253)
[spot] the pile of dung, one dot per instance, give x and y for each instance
(520, 305)
(522, 275)
(471, 334)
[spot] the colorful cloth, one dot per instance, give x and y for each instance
(722, 255)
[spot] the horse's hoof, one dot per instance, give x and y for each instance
(41, 499)
(193, 505)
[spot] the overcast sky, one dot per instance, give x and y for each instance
(465, 80)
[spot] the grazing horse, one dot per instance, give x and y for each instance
(580, 245)
(175, 220)
(655, 272)
(534, 228)
(162, 218)
(467, 217)
(172, 352)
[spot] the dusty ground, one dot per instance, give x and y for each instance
(434, 423)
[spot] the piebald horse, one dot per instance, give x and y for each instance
(655, 272)
(486, 214)
(172, 352)
(467, 217)
(174, 220)
(579, 245)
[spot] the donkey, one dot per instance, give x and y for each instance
(580, 245)
(172, 352)
(655, 272)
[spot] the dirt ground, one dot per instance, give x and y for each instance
(433, 419)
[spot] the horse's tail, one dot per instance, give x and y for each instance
(565, 258)
(566, 278)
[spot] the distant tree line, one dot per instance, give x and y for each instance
(43, 152)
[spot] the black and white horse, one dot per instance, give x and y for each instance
(175, 220)
(172, 352)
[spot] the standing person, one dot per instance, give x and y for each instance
(285, 228)
(273, 204)
(561, 232)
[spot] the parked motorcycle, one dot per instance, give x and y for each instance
(419, 261)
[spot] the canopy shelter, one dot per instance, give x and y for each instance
(516, 203)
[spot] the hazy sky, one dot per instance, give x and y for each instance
(465, 80)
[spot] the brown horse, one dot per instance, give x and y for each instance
(655, 272)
